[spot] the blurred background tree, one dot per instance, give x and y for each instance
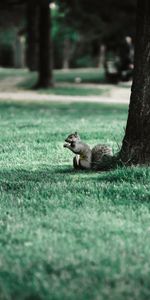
(12, 41)
(83, 34)
(64, 37)
(100, 23)
(29, 25)
(39, 45)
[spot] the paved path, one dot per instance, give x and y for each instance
(34, 97)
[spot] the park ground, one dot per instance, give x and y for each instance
(66, 234)
(78, 85)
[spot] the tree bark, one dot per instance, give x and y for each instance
(45, 46)
(66, 54)
(136, 143)
(32, 35)
(102, 56)
(19, 51)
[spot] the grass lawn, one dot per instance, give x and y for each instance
(65, 234)
(68, 79)
(93, 75)
(65, 81)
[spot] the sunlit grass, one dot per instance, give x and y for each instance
(65, 234)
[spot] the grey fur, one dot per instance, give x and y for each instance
(87, 158)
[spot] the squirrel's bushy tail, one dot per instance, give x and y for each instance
(102, 158)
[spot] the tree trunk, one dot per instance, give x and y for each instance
(19, 60)
(136, 143)
(66, 54)
(45, 46)
(101, 57)
(32, 35)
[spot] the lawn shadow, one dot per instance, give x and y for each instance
(19, 181)
(48, 172)
(124, 174)
(42, 174)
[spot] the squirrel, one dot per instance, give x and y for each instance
(97, 158)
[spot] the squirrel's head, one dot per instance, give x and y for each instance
(72, 138)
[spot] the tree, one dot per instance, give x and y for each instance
(102, 24)
(45, 46)
(64, 39)
(136, 143)
(12, 41)
(39, 41)
(108, 20)
(38, 29)
(32, 16)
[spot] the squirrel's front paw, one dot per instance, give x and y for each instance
(65, 145)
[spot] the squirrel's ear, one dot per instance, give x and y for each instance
(76, 133)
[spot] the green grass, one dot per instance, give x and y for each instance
(5, 73)
(74, 91)
(93, 75)
(86, 75)
(65, 234)
(66, 90)
(69, 77)
(65, 81)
